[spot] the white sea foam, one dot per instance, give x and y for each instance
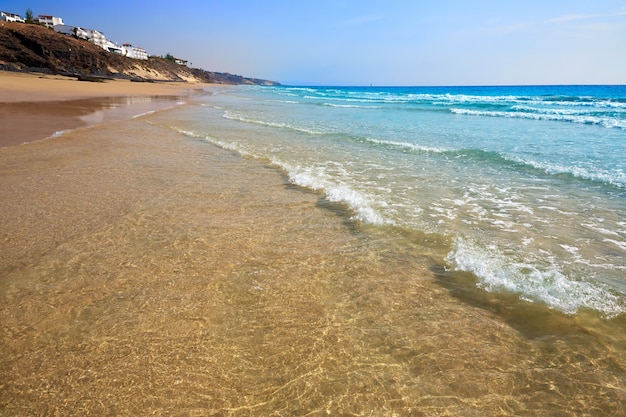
(211, 106)
(616, 178)
(342, 99)
(619, 243)
(316, 178)
(228, 115)
(608, 122)
(284, 101)
(541, 108)
(571, 249)
(231, 146)
(533, 281)
(350, 106)
(602, 230)
(143, 114)
(178, 103)
(408, 145)
(60, 133)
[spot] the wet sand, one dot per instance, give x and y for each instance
(35, 107)
(143, 272)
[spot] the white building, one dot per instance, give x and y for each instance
(11, 17)
(91, 35)
(71, 30)
(113, 47)
(134, 51)
(49, 21)
(98, 38)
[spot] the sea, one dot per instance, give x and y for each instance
(522, 187)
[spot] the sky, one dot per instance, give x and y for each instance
(363, 42)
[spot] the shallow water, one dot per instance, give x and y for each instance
(147, 271)
(526, 183)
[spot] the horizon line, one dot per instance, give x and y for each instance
(451, 85)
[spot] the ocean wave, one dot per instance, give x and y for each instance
(146, 113)
(619, 243)
(297, 89)
(350, 106)
(211, 106)
(344, 99)
(230, 146)
(594, 175)
(406, 96)
(60, 133)
(283, 101)
(313, 178)
(614, 178)
(608, 122)
(228, 115)
(143, 114)
(585, 101)
(532, 281)
(545, 110)
(536, 279)
(601, 176)
(407, 146)
(316, 178)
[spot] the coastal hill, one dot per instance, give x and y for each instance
(34, 48)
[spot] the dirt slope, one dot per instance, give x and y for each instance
(33, 48)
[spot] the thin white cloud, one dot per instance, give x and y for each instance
(576, 17)
(571, 18)
(566, 18)
(620, 12)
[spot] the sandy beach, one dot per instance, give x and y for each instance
(19, 87)
(36, 106)
(144, 271)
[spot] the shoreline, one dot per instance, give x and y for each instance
(145, 271)
(18, 87)
(36, 106)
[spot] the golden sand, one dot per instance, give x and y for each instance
(34, 107)
(20, 87)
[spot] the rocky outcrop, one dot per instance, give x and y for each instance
(33, 48)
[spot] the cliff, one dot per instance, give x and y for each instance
(33, 48)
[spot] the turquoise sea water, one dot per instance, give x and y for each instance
(524, 186)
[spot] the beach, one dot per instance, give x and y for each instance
(36, 106)
(147, 269)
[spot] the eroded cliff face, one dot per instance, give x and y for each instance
(27, 48)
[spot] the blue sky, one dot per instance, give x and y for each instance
(362, 42)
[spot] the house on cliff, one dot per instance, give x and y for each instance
(48, 21)
(134, 51)
(98, 38)
(11, 17)
(91, 35)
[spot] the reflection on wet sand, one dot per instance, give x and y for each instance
(28, 121)
(143, 273)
